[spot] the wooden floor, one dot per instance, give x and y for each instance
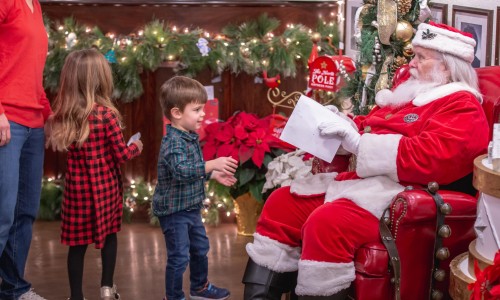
(140, 269)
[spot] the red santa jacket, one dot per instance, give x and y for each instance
(435, 137)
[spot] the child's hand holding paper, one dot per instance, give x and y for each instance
(134, 138)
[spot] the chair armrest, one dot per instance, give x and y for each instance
(414, 206)
(413, 225)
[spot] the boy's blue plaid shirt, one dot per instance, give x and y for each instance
(181, 173)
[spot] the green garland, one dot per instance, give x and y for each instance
(250, 47)
(51, 199)
(137, 195)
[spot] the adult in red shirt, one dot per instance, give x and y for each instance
(23, 111)
(430, 128)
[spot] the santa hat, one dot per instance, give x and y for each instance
(445, 39)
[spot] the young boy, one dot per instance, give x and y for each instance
(178, 196)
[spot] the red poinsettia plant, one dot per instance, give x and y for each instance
(487, 285)
(253, 142)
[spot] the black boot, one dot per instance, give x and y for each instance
(342, 295)
(264, 284)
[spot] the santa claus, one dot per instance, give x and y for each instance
(429, 128)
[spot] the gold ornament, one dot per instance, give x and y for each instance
(383, 80)
(316, 37)
(364, 71)
(387, 18)
(403, 7)
(404, 31)
(408, 49)
(399, 61)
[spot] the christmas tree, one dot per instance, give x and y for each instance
(383, 32)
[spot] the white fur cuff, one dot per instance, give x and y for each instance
(323, 278)
(273, 255)
(377, 155)
(373, 194)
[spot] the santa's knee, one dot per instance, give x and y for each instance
(326, 267)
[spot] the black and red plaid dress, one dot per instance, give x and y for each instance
(93, 193)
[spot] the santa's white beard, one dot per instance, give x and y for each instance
(408, 90)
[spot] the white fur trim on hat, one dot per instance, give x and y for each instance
(323, 278)
(312, 184)
(373, 194)
(445, 41)
(377, 155)
(445, 90)
(273, 255)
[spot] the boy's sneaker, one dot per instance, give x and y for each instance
(31, 295)
(209, 292)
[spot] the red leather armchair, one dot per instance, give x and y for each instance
(413, 224)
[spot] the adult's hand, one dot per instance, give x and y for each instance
(4, 130)
(335, 110)
(341, 128)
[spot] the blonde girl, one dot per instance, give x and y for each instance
(87, 125)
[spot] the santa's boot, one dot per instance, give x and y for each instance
(342, 295)
(264, 284)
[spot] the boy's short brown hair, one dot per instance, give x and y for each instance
(178, 92)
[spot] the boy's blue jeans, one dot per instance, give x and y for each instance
(187, 242)
(21, 168)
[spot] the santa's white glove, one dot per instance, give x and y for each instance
(334, 109)
(341, 128)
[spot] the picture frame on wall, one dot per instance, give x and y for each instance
(351, 48)
(439, 12)
(497, 41)
(479, 23)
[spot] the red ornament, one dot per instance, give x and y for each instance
(401, 75)
(272, 82)
(313, 55)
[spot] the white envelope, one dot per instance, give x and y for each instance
(302, 131)
(134, 138)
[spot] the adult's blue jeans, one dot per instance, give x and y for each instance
(21, 168)
(187, 242)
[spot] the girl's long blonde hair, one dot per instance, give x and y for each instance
(86, 80)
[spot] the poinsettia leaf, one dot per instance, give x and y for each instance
(240, 133)
(277, 151)
(245, 153)
(225, 133)
(255, 189)
(267, 159)
(245, 176)
(225, 150)
(258, 157)
(495, 291)
(209, 151)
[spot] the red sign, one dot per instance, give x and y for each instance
(326, 72)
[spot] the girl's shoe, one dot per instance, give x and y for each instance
(109, 293)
